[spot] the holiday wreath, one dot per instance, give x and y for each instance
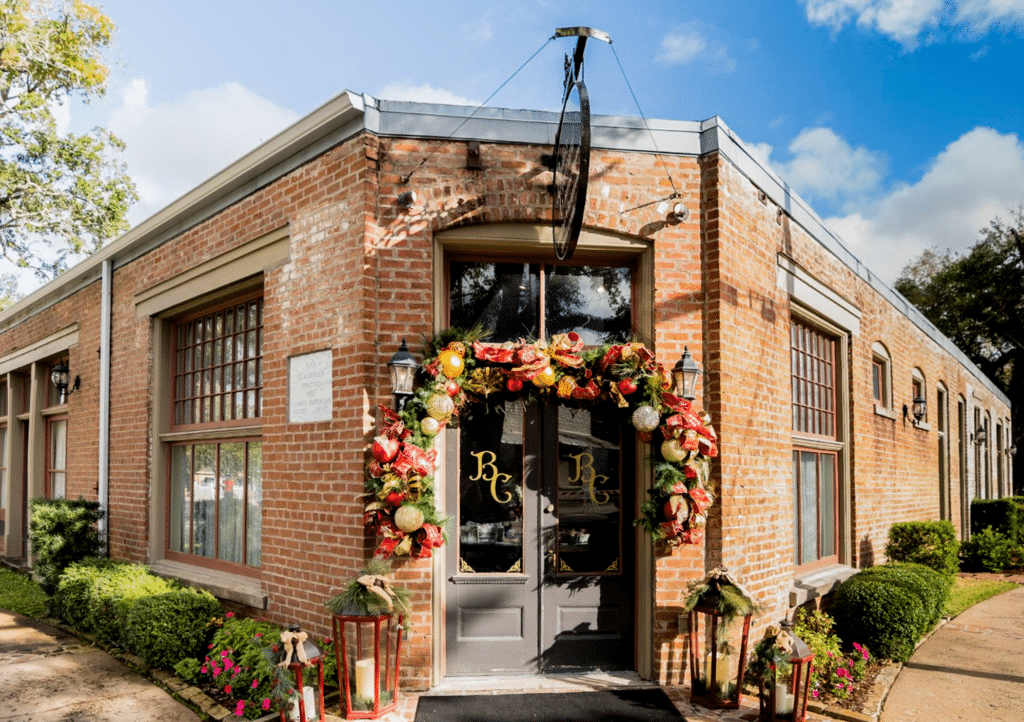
(458, 369)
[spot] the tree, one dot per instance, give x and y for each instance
(977, 300)
(60, 194)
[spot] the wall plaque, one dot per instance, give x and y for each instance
(310, 387)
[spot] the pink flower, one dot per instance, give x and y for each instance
(240, 708)
(229, 615)
(227, 689)
(814, 694)
(224, 653)
(216, 671)
(228, 664)
(266, 704)
(255, 684)
(203, 669)
(832, 656)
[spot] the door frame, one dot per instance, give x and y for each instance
(533, 239)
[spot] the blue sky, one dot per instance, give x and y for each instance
(901, 122)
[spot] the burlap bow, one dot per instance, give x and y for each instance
(294, 642)
(380, 586)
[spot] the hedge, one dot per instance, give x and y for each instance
(166, 628)
(62, 532)
(890, 607)
(1005, 516)
(932, 543)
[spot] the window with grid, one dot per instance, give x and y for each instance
(813, 357)
(218, 369)
(817, 447)
(215, 487)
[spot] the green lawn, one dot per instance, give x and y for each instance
(967, 592)
(20, 594)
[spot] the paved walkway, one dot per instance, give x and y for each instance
(49, 676)
(972, 668)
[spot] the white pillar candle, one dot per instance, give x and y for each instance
(309, 699)
(721, 668)
(783, 699)
(364, 678)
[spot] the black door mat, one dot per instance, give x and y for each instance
(621, 705)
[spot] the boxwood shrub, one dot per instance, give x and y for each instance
(71, 600)
(62, 532)
(987, 551)
(113, 595)
(932, 543)
(165, 628)
(1005, 516)
(890, 607)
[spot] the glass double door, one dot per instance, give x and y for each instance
(540, 569)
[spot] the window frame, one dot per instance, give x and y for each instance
(49, 469)
(838, 443)
(542, 261)
(247, 429)
(881, 363)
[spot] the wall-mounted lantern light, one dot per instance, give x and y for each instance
(980, 436)
(685, 374)
(402, 367)
(60, 375)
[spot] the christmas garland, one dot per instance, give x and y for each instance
(458, 369)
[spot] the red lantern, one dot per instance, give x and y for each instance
(367, 651)
(716, 687)
(787, 700)
(306, 703)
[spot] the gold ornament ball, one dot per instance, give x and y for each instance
(408, 518)
(544, 378)
(452, 364)
(430, 426)
(672, 450)
(646, 418)
(440, 406)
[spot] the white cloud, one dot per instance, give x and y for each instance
(173, 147)
(825, 167)
(423, 93)
(690, 43)
(906, 20)
(976, 178)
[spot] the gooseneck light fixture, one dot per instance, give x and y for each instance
(60, 375)
(685, 374)
(403, 368)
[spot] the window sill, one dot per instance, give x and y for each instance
(818, 583)
(886, 412)
(223, 585)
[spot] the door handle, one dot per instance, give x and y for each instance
(549, 509)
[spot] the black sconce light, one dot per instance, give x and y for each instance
(403, 368)
(406, 199)
(61, 378)
(918, 408)
(685, 374)
(980, 436)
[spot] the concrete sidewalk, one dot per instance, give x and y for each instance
(972, 668)
(47, 675)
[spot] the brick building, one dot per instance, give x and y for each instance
(293, 276)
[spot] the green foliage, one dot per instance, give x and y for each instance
(833, 673)
(890, 607)
(987, 551)
(71, 599)
(242, 661)
(114, 593)
(932, 543)
(20, 594)
(928, 585)
(1004, 516)
(166, 628)
(66, 192)
(188, 669)
(62, 532)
